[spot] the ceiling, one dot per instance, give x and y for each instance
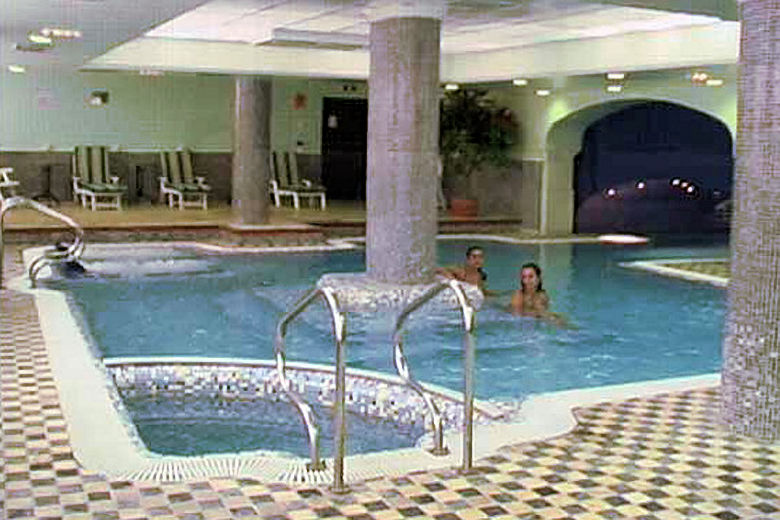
(479, 38)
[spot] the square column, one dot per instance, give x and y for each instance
(251, 151)
(403, 135)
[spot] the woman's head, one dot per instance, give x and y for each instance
(531, 277)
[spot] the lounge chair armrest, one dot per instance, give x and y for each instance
(274, 184)
(306, 182)
(114, 179)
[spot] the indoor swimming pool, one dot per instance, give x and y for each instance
(623, 325)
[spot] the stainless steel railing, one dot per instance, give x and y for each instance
(304, 409)
(72, 252)
(401, 364)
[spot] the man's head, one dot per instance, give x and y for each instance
(475, 257)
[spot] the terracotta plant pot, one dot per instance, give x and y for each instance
(464, 208)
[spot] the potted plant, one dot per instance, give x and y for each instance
(474, 133)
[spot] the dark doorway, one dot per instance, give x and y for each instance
(654, 168)
(344, 141)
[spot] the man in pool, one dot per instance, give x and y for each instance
(471, 271)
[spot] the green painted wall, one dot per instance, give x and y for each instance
(47, 109)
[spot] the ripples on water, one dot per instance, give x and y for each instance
(625, 325)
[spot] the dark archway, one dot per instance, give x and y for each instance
(655, 167)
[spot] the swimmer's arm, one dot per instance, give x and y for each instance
(452, 273)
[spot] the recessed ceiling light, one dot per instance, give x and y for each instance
(614, 88)
(519, 82)
(17, 69)
(451, 86)
(699, 77)
(616, 76)
(543, 92)
(39, 38)
(714, 82)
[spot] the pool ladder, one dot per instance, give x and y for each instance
(52, 254)
(338, 319)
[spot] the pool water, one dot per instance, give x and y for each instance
(195, 425)
(625, 325)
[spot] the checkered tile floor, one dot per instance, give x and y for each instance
(659, 458)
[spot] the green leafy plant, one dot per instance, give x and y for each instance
(474, 132)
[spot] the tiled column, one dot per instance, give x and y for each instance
(251, 150)
(403, 134)
(751, 369)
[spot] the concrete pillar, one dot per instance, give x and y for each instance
(251, 150)
(751, 350)
(403, 135)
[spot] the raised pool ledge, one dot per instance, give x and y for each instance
(357, 292)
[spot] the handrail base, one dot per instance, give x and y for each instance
(320, 465)
(439, 452)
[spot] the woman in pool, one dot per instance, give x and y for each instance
(531, 299)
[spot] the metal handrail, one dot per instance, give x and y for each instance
(73, 251)
(401, 364)
(304, 409)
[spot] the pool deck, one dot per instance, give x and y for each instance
(659, 457)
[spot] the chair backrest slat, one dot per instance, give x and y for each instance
(82, 164)
(164, 165)
(96, 160)
(282, 175)
(186, 167)
(292, 164)
(174, 167)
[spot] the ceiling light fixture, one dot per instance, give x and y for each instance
(519, 82)
(60, 34)
(699, 77)
(714, 82)
(451, 86)
(543, 92)
(17, 69)
(39, 39)
(616, 76)
(614, 89)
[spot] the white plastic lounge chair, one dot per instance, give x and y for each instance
(93, 185)
(7, 184)
(286, 183)
(178, 184)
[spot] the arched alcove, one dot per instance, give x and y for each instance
(621, 144)
(652, 168)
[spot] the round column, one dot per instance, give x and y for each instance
(251, 151)
(403, 135)
(751, 351)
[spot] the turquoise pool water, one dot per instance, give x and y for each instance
(626, 325)
(194, 425)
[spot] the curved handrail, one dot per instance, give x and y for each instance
(402, 366)
(73, 251)
(304, 409)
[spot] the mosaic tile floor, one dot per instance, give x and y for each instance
(658, 458)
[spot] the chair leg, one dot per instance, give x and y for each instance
(322, 201)
(296, 201)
